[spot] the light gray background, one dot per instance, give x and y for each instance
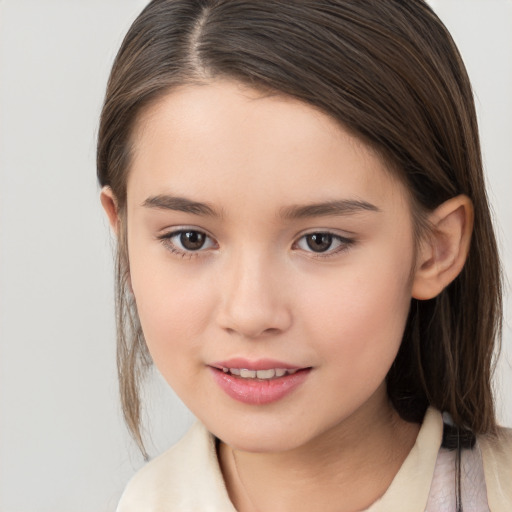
(63, 447)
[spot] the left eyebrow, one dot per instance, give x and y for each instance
(180, 204)
(339, 207)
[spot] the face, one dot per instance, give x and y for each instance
(270, 258)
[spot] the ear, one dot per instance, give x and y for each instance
(444, 250)
(109, 203)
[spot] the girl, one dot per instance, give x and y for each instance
(305, 252)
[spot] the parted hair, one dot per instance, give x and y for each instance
(390, 73)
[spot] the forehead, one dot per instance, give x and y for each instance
(222, 138)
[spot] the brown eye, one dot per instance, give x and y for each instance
(319, 242)
(192, 240)
(186, 242)
(323, 243)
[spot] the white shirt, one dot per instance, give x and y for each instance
(188, 478)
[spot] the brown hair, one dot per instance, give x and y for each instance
(387, 70)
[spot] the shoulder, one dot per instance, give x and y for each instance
(187, 477)
(497, 461)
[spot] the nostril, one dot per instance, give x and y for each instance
(247, 333)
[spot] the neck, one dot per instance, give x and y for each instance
(345, 469)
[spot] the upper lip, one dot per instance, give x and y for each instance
(258, 364)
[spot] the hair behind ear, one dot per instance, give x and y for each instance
(133, 358)
(447, 354)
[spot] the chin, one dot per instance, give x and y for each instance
(260, 438)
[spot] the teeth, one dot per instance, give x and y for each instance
(244, 373)
(265, 374)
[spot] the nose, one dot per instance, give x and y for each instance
(253, 299)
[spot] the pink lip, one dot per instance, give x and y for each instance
(256, 391)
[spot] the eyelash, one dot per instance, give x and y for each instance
(166, 240)
(344, 243)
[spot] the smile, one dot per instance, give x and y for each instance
(262, 384)
(272, 373)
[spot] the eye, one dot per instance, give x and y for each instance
(187, 241)
(323, 242)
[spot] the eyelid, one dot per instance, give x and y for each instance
(346, 243)
(166, 237)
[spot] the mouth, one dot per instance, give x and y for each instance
(270, 374)
(261, 383)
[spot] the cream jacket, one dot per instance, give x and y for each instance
(187, 477)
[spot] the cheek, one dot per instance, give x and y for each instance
(174, 309)
(361, 316)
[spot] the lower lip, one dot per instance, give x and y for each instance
(257, 391)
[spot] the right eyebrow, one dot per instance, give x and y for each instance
(180, 204)
(325, 209)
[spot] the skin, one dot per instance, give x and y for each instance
(256, 289)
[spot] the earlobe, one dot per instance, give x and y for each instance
(109, 203)
(444, 250)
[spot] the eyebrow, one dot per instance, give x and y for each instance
(180, 204)
(324, 209)
(337, 207)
